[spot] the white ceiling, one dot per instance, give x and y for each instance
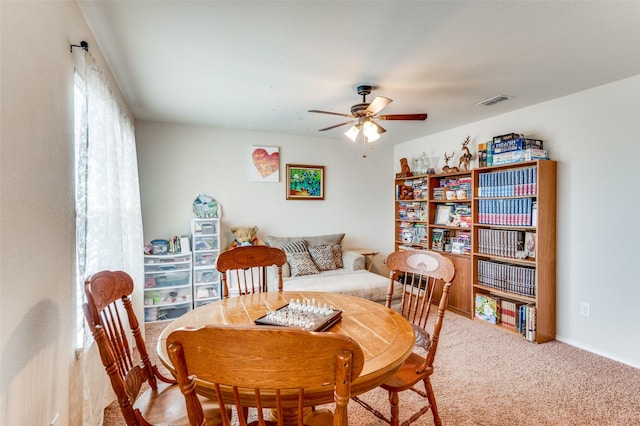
(260, 65)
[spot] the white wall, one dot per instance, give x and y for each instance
(37, 221)
(595, 137)
(177, 162)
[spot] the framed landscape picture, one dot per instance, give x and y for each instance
(305, 182)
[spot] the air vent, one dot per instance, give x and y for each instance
(494, 100)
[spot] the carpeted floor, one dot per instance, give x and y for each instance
(487, 377)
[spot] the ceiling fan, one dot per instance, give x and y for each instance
(365, 115)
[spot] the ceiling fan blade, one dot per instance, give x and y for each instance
(403, 117)
(333, 127)
(332, 113)
(378, 103)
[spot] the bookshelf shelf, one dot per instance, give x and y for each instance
(507, 294)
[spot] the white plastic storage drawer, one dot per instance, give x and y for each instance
(161, 313)
(204, 276)
(205, 258)
(205, 242)
(175, 279)
(168, 296)
(206, 227)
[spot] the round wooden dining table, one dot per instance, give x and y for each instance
(385, 336)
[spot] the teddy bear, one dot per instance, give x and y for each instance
(406, 193)
(245, 236)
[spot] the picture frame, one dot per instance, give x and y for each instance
(443, 212)
(305, 182)
(264, 164)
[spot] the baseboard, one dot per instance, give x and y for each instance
(597, 352)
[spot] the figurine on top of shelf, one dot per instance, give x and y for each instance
(405, 171)
(428, 168)
(447, 168)
(204, 206)
(465, 158)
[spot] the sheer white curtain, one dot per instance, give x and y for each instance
(109, 220)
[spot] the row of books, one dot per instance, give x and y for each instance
(505, 243)
(418, 232)
(414, 189)
(412, 210)
(517, 316)
(508, 212)
(507, 277)
(461, 244)
(453, 189)
(508, 183)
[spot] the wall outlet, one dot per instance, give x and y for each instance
(54, 420)
(585, 309)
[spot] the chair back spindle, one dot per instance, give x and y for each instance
(246, 268)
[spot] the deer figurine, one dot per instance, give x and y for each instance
(466, 156)
(447, 168)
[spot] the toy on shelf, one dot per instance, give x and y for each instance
(465, 158)
(447, 168)
(245, 236)
(204, 207)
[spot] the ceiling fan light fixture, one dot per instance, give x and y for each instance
(352, 133)
(370, 131)
(373, 137)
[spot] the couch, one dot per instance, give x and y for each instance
(319, 263)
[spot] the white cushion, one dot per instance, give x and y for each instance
(360, 283)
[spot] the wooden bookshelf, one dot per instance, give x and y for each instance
(531, 280)
(421, 213)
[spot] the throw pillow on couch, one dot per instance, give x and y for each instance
(309, 255)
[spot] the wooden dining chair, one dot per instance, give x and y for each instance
(246, 267)
(161, 402)
(265, 367)
(425, 277)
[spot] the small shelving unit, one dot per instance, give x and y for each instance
(415, 219)
(167, 286)
(205, 242)
(411, 212)
(450, 225)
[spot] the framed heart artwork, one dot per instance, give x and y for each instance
(265, 164)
